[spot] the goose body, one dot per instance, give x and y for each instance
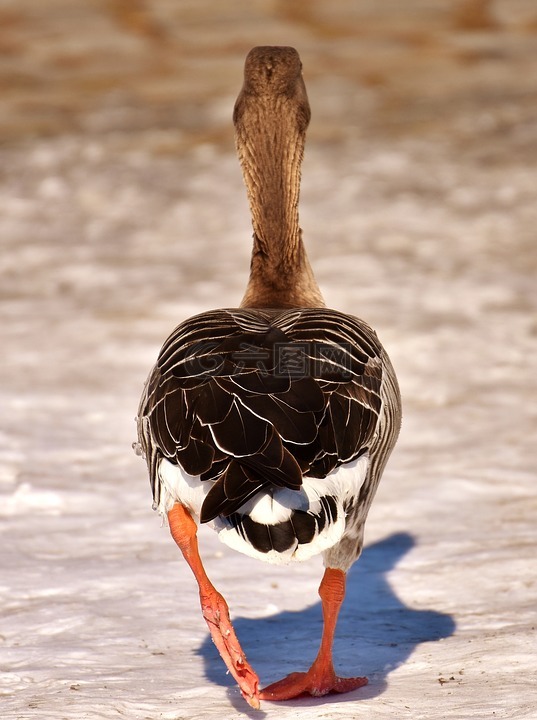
(271, 422)
(262, 424)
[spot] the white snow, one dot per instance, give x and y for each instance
(99, 614)
(104, 250)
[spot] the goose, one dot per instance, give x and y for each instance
(271, 422)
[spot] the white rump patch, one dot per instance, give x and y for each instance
(342, 484)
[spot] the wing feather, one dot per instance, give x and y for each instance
(253, 399)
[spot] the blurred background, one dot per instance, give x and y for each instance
(456, 67)
(122, 212)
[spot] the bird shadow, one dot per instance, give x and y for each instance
(376, 631)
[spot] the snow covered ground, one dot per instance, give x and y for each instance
(101, 257)
(110, 239)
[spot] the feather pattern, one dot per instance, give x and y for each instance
(271, 423)
(252, 405)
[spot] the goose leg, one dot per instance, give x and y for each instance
(321, 678)
(213, 606)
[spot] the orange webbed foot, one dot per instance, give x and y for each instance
(321, 678)
(310, 683)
